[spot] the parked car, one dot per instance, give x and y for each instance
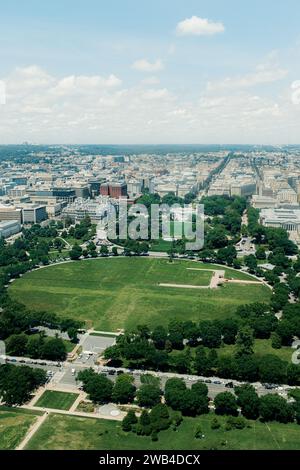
(229, 385)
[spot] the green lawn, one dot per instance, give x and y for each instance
(112, 293)
(54, 254)
(56, 400)
(261, 348)
(14, 424)
(70, 433)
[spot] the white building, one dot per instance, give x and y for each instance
(289, 219)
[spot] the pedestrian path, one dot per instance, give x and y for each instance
(37, 424)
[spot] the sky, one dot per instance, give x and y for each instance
(159, 72)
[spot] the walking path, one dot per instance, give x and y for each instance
(81, 414)
(296, 357)
(216, 279)
(183, 286)
(47, 411)
(33, 429)
(241, 281)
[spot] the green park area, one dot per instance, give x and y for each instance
(56, 400)
(14, 424)
(67, 433)
(261, 348)
(112, 293)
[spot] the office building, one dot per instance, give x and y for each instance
(9, 228)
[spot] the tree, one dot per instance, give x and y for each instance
(247, 368)
(191, 332)
(72, 333)
(128, 421)
(251, 263)
(54, 349)
(176, 334)
(193, 403)
(173, 392)
(198, 432)
(260, 253)
(286, 332)
(35, 346)
(248, 401)
(159, 336)
(144, 427)
(98, 387)
(229, 329)
(227, 367)
(213, 359)
(124, 390)
(16, 345)
(176, 419)
(275, 408)
(114, 355)
(276, 340)
(104, 250)
(17, 383)
(159, 417)
(216, 238)
(235, 422)
(210, 334)
(58, 243)
(202, 363)
(190, 402)
(272, 369)
(225, 404)
(181, 362)
(293, 374)
(215, 424)
(244, 341)
(75, 252)
(148, 395)
(114, 250)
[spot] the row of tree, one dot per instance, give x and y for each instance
(197, 345)
(36, 346)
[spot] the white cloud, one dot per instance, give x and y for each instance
(295, 86)
(156, 94)
(264, 73)
(143, 65)
(94, 109)
(82, 84)
(150, 81)
(199, 27)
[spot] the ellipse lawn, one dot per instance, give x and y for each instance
(112, 293)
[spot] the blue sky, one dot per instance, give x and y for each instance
(251, 61)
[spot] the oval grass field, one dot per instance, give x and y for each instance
(113, 293)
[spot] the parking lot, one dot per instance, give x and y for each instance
(94, 345)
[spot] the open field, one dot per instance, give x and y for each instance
(56, 400)
(67, 433)
(14, 424)
(112, 293)
(261, 348)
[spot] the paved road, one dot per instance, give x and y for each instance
(65, 375)
(215, 385)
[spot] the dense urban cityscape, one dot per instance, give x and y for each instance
(117, 330)
(149, 233)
